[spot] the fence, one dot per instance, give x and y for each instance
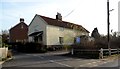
(108, 51)
(101, 52)
(3, 53)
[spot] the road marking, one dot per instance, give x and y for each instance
(98, 61)
(104, 62)
(89, 63)
(60, 63)
(94, 62)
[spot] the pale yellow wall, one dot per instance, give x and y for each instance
(37, 24)
(53, 34)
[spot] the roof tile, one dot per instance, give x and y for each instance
(64, 24)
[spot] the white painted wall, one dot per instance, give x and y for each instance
(3, 53)
(53, 34)
(37, 24)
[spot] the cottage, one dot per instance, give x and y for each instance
(19, 33)
(54, 32)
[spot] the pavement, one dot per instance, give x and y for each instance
(1, 62)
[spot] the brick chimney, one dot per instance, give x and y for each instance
(59, 17)
(21, 20)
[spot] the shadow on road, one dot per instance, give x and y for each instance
(83, 56)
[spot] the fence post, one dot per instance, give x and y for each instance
(101, 53)
(109, 51)
(118, 50)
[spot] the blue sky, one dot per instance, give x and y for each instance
(88, 13)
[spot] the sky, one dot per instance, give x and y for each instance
(88, 13)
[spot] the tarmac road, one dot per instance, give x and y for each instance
(53, 60)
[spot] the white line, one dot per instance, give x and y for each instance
(98, 61)
(94, 62)
(104, 62)
(89, 63)
(60, 63)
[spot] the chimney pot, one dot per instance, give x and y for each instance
(58, 16)
(21, 20)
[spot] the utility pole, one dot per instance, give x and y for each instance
(108, 26)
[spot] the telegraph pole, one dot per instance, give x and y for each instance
(108, 26)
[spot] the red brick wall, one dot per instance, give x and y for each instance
(19, 33)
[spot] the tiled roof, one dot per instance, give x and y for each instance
(18, 25)
(64, 24)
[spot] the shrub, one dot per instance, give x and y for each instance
(98, 43)
(67, 47)
(9, 55)
(30, 47)
(115, 42)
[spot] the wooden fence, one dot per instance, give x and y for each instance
(108, 51)
(101, 52)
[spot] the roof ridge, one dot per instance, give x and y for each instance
(18, 24)
(58, 20)
(66, 24)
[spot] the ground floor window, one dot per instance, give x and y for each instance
(38, 38)
(61, 40)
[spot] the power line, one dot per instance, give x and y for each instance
(69, 13)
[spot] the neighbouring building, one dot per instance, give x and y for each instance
(19, 33)
(54, 32)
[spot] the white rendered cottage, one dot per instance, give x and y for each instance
(54, 32)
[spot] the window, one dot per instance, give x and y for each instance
(61, 40)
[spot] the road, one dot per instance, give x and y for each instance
(54, 59)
